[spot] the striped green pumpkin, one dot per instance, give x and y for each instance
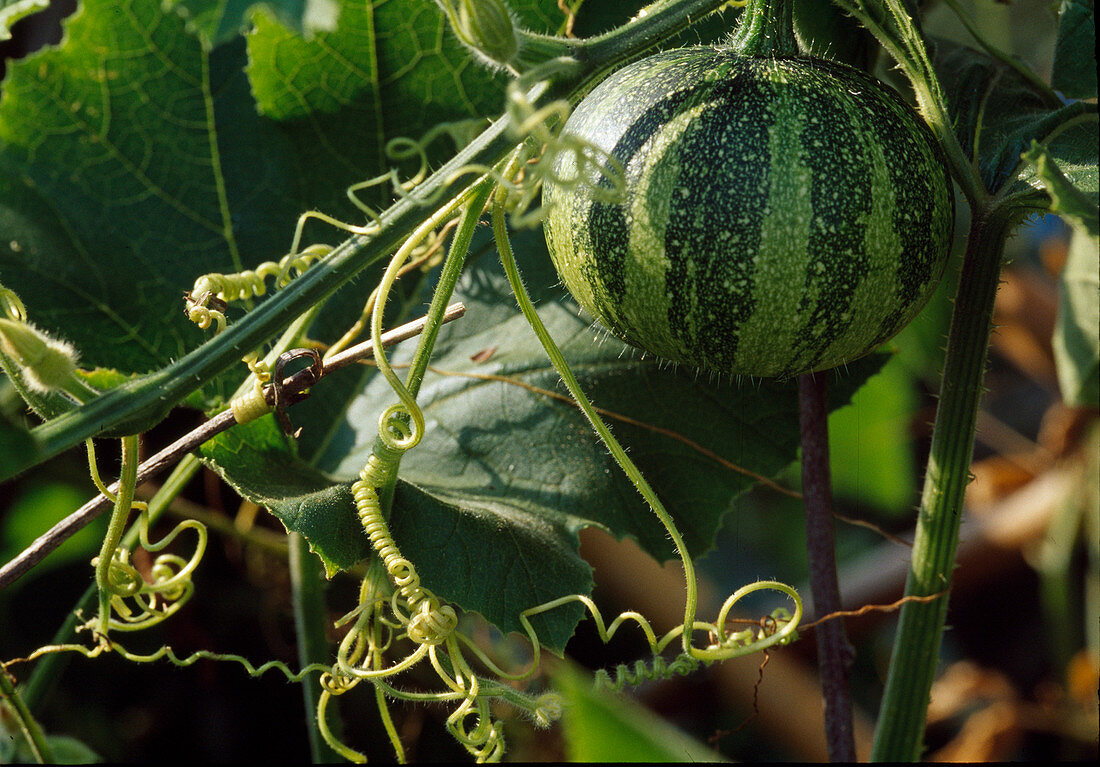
(780, 215)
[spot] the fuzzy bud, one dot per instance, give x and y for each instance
(549, 708)
(45, 363)
(488, 27)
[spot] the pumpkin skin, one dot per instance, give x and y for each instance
(779, 215)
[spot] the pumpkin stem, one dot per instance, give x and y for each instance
(766, 30)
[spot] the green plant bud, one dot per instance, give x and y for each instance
(487, 26)
(45, 363)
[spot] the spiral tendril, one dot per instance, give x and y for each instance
(136, 603)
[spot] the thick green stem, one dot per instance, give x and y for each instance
(766, 30)
(123, 502)
(900, 732)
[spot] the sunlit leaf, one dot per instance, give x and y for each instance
(12, 11)
(600, 726)
(997, 113)
(143, 153)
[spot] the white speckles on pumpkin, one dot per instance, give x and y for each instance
(768, 216)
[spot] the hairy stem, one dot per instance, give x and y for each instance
(833, 651)
(766, 30)
(124, 499)
(900, 732)
(36, 739)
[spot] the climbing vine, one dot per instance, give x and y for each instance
(369, 465)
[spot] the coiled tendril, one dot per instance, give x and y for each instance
(396, 614)
(136, 603)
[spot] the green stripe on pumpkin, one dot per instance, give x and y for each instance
(779, 215)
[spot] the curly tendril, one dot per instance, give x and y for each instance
(398, 623)
(128, 601)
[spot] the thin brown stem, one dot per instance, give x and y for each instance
(60, 532)
(833, 651)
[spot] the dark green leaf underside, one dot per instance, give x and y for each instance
(506, 472)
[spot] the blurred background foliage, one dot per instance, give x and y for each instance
(1019, 674)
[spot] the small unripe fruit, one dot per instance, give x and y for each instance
(45, 363)
(488, 28)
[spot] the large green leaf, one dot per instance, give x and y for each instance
(1075, 53)
(997, 113)
(135, 157)
(509, 471)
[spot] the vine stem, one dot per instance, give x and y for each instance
(136, 405)
(36, 739)
(508, 261)
(433, 321)
(60, 532)
(833, 651)
(900, 732)
(123, 502)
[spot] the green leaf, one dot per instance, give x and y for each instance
(12, 11)
(134, 157)
(1077, 334)
(1076, 200)
(122, 178)
(1075, 52)
(997, 113)
(600, 726)
(509, 471)
(218, 21)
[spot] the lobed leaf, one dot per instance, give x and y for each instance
(135, 157)
(489, 504)
(997, 113)
(1075, 51)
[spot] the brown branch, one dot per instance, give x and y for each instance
(57, 534)
(834, 654)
